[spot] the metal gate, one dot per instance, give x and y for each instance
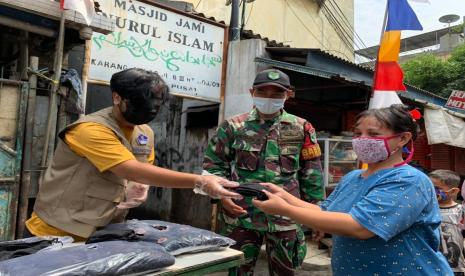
(13, 105)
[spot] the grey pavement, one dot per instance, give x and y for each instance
(316, 263)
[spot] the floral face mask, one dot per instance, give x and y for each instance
(372, 149)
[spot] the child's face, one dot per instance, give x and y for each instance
(443, 192)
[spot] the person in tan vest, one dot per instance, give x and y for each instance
(103, 163)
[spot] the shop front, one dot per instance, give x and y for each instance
(330, 92)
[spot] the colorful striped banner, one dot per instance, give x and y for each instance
(389, 77)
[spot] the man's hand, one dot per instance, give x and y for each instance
(136, 194)
(275, 205)
(231, 208)
(317, 235)
(214, 187)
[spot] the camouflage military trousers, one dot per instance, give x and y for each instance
(285, 250)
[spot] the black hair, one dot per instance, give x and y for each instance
(136, 84)
(396, 117)
(450, 178)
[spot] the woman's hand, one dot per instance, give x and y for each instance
(276, 190)
(274, 205)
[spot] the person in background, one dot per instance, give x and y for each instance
(266, 145)
(384, 219)
(446, 184)
(84, 186)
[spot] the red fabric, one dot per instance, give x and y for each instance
(415, 114)
(308, 129)
(389, 77)
(62, 3)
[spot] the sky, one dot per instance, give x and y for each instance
(369, 15)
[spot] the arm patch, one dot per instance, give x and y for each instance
(311, 148)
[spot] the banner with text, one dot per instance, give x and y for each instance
(456, 100)
(186, 52)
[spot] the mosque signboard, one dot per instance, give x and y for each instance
(186, 50)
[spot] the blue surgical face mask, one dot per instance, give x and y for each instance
(441, 194)
(268, 105)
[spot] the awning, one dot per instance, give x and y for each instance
(295, 67)
(444, 128)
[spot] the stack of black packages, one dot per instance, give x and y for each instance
(104, 258)
(117, 249)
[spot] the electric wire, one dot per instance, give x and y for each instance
(342, 35)
(356, 40)
(250, 12)
(346, 22)
(308, 30)
(198, 3)
(346, 38)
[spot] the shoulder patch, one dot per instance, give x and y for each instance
(311, 148)
(142, 139)
(311, 152)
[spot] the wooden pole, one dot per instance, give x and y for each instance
(85, 73)
(27, 160)
(214, 215)
(52, 109)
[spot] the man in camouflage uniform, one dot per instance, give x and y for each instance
(266, 145)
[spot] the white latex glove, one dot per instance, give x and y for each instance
(214, 186)
(136, 194)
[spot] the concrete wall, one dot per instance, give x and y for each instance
(240, 74)
(181, 149)
(298, 23)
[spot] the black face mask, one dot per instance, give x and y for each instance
(140, 113)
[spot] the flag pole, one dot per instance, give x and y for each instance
(364, 166)
(383, 29)
(384, 23)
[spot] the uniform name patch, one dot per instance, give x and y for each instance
(311, 152)
(141, 150)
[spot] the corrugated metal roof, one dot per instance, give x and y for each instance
(413, 93)
(304, 52)
(409, 43)
(246, 34)
(279, 48)
(249, 34)
(208, 17)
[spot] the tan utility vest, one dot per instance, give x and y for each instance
(74, 196)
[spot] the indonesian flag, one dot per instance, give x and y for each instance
(84, 7)
(389, 77)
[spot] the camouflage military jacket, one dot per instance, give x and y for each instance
(283, 151)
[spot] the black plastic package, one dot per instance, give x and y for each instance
(252, 190)
(27, 246)
(175, 238)
(105, 258)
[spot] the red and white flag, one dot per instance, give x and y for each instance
(84, 7)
